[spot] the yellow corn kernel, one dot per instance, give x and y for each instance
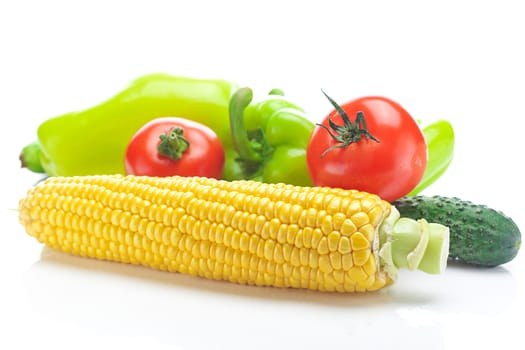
(263, 205)
(367, 284)
(334, 205)
(242, 231)
(235, 240)
(370, 266)
(295, 257)
(244, 242)
(347, 261)
(376, 214)
(337, 220)
(269, 247)
(278, 255)
(313, 259)
(326, 224)
(260, 220)
(260, 248)
(348, 228)
(299, 241)
(353, 207)
(360, 218)
(317, 235)
(344, 246)
(323, 246)
(283, 211)
(304, 256)
(330, 283)
(324, 264)
(295, 213)
(368, 202)
(269, 210)
(291, 233)
(339, 276)
(307, 234)
(336, 260)
(333, 240)
(311, 217)
(235, 220)
(274, 227)
(282, 235)
(250, 223)
(356, 273)
(368, 231)
(359, 241)
(361, 256)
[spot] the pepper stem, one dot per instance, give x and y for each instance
(173, 144)
(246, 143)
(30, 158)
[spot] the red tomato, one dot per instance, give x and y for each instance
(203, 157)
(389, 166)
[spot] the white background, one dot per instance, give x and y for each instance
(458, 60)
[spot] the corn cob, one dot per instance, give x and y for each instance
(245, 232)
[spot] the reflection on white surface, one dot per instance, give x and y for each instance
(111, 300)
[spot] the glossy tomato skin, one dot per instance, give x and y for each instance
(390, 168)
(204, 157)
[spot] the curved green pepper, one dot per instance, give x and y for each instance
(94, 141)
(270, 137)
(439, 136)
(30, 157)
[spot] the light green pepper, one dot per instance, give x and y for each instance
(439, 136)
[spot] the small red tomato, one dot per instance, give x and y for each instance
(175, 146)
(383, 151)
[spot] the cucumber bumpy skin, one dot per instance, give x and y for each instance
(479, 235)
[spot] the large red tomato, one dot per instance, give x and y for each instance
(175, 146)
(370, 144)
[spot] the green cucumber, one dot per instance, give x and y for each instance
(479, 235)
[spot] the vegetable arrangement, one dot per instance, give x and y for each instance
(197, 176)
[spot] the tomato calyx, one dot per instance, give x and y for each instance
(173, 144)
(349, 132)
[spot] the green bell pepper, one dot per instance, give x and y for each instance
(439, 136)
(94, 141)
(270, 137)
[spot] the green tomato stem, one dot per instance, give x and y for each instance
(173, 144)
(346, 134)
